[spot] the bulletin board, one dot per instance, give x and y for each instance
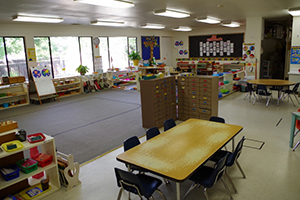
(147, 41)
(227, 45)
(295, 55)
(43, 80)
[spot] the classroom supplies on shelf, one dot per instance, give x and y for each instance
(8, 125)
(27, 165)
(33, 191)
(36, 137)
(43, 159)
(12, 145)
(68, 170)
(10, 172)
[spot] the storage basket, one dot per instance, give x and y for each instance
(10, 175)
(43, 159)
(27, 165)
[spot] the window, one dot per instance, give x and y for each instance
(86, 52)
(132, 44)
(104, 53)
(118, 52)
(42, 51)
(12, 57)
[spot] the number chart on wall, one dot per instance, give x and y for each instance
(229, 45)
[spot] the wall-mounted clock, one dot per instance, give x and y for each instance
(96, 41)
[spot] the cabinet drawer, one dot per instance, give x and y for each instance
(205, 111)
(194, 80)
(204, 80)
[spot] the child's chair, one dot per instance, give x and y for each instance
(298, 127)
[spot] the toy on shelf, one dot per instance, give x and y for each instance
(8, 125)
(12, 145)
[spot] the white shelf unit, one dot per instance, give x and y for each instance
(47, 146)
(120, 76)
(226, 77)
(66, 87)
(18, 95)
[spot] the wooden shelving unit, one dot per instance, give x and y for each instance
(66, 87)
(16, 95)
(22, 182)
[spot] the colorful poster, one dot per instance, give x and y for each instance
(31, 54)
(41, 73)
(249, 52)
(295, 55)
(178, 44)
(150, 47)
(98, 64)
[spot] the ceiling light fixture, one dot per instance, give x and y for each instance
(152, 26)
(171, 13)
(182, 28)
(208, 20)
(294, 11)
(231, 25)
(108, 3)
(107, 23)
(35, 18)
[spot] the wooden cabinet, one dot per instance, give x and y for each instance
(158, 98)
(14, 95)
(68, 86)
(197, 97)
(24, 181)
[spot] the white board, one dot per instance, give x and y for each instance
(43, 80)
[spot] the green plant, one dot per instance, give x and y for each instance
(82, 69)
(134, 56)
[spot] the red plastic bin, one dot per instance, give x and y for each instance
(43, 159)
(36, 137)
(11, 175)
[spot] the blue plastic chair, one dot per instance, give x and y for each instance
(140, 184)
(169, 123)
(128, 144)
(232, 159)
(288, 93)
(263, 91)
(152, 132)
(208, 176)
(217, 119)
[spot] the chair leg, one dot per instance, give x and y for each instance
(296, 132)
(240, 168)
(226, 187)
(246, 95)
(231, 182)
(296, 146)
(166, 181)
(162, 194)
(292, 100)
(268, 101)
(296, 98)
(254, 99)
(120, 194)
(205, 193)
(189, 190)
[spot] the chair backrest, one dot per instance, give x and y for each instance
(131, 142)
(169, 123)
(217, 119)
(262, 90)
(295, 88)
(152, 132)
(237, 151)
(129, 182)
(249, 87)
(218, 171)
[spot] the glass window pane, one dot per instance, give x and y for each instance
(118, 52)
(42, 51)
(3, 64)
(104, 52)
(86, 53)
(16, 56)
(132, 42)
(65, 56)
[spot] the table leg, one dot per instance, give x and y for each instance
(178, 190)
(292, 130)
(232, 141)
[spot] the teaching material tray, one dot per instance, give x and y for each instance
(36, 137)
(12, 145)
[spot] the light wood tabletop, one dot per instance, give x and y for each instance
(271, 82)
(178, 152)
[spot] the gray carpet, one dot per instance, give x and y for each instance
(85, 125)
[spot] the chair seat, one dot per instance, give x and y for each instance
(202, 176)
(150, 184)
(220, 154)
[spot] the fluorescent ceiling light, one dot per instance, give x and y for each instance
(107, 23)
(171, 13)
(153, 26)
(231, 25)
(208, 20)
(182, 28)
(41, 19)
(108, 3)
(294, 11)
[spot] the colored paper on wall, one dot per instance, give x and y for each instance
(295, 55)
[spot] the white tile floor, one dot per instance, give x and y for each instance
(272, 172)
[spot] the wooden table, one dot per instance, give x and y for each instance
(177, 153)
(272, 82)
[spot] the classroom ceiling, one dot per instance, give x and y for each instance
(75, 13)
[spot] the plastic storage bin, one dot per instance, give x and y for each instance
(43, 159)
(10, 172)
(27, 165)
